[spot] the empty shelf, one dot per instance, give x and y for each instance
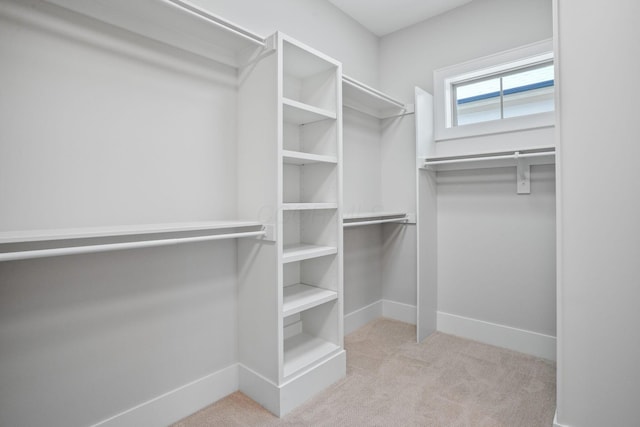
(300, 297)
(308, 206)
(367, 100)
(47, 243)
(300, 252)
(300, 158)
(299, 113)
(302, 350)
(177, 23)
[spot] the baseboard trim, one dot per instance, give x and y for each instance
(359, 318)
(262, 390)
(528, 342)
(399, 311)
(555, 421)
(180, 402)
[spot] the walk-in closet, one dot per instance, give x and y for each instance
(318, 212)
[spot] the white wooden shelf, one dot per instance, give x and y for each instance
(300, 252)
(16, 245)
(298, 113)
(365, 99)
(300, 297)
(308, 206)
(302, 350)
(299, 158)
(532, 156)
(177, 23)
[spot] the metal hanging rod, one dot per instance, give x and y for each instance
(515, 156)
(373, 92)
(376, 221)
(43, 253)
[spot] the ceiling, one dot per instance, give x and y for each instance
(382, 17)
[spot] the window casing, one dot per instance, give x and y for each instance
(509, 91)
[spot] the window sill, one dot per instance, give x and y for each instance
(515, 124)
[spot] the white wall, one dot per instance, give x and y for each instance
(104, 128)
(496, 249)
(482, 27)
(599, 343)
(316, 23)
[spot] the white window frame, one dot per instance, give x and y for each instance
(445, 78)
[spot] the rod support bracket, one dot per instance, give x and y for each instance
(523, 175)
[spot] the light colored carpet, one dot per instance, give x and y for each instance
(393, 381)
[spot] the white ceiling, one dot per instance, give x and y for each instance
(382, 17)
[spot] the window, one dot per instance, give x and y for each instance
(513, 90)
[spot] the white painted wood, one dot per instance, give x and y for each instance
(175, 22)
(299, 252)
(303, 349)
(368, 100)
(260, 389)
(299, 389)
(259, 322)
(427, 221)
(299, 158)
(298, 113)
(533, 343)
(180, 402)
(300, 297)
(308, 206)
(92, 232)
(31, 251)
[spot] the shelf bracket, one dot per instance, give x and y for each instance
(270, 232)
(523, 175)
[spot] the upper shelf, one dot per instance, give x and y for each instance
(175, 22)
(18, 245)
(370, 101)
(533, 156)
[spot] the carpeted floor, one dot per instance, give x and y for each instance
(393, 381)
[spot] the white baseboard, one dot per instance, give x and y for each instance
(280, 400)
(399, 311)
(382, 308)
(359, 318)
(180, 402)
(555, 421)
(520, 340)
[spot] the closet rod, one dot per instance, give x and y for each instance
(377, 221)
(218, 22)
(516, 155)
(43, 253)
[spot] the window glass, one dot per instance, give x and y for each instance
(511, 93)
(477, 102)
(528, 92)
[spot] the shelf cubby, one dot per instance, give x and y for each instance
(314, 138)
(308, 78)
(313, 336)
(311, 183)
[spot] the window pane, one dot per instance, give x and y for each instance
(528, 92)
(477, 102)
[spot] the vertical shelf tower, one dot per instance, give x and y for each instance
(290, 170)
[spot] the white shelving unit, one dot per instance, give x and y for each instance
(31, 244)
(290, 301)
